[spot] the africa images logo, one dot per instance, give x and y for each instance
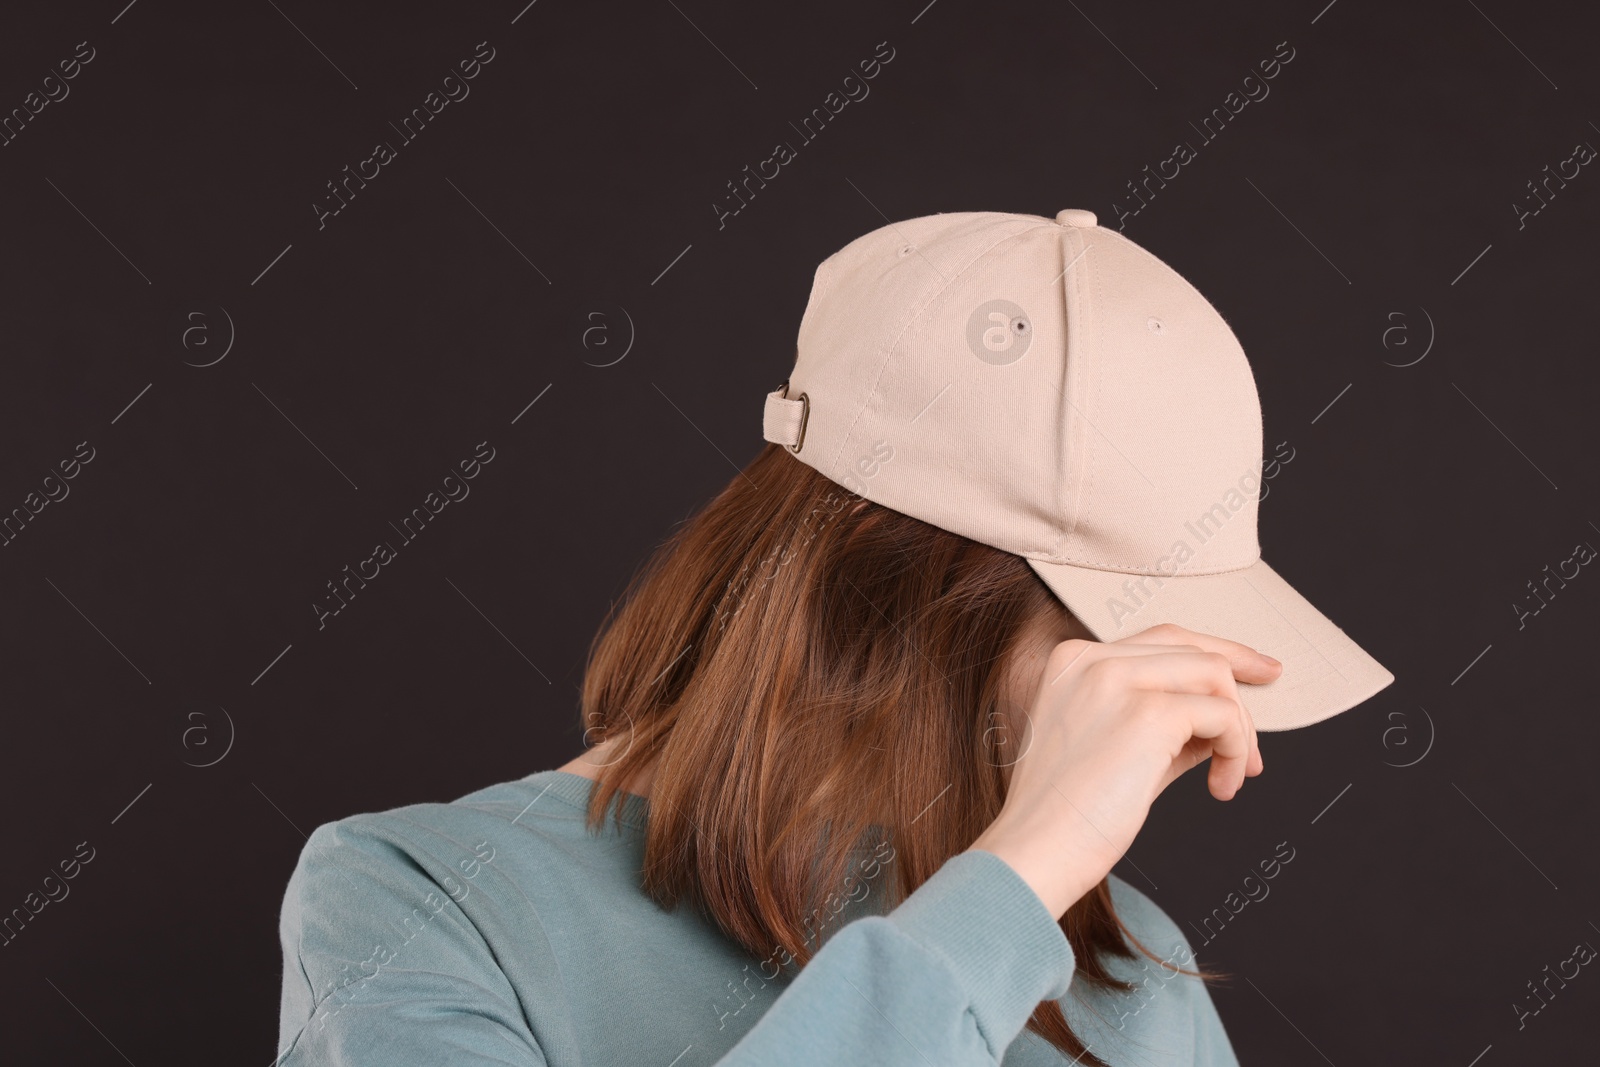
(999, 332)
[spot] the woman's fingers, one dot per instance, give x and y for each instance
(1115, 723)
(1210, 726)
(1249, 665)
(1172, 670)
(1203, 665)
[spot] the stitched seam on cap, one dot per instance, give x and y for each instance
(1132, 568)
(1066, 369)
(1094, 321)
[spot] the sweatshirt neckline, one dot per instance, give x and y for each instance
(575, 789)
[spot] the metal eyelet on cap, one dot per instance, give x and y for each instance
(805, 415)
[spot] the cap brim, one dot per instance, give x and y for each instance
(1324, 671)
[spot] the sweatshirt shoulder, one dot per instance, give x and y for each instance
(433, 845)
(1150, 923)
(1168, 1015)
(414, 893)
(490, 808)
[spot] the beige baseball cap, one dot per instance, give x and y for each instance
(1048, 387)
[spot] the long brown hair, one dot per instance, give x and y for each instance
(804, 667)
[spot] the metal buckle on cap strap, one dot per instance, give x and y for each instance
(784, 420)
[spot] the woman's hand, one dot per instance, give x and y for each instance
(1112, 725)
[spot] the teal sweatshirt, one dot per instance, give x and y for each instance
(497, 929)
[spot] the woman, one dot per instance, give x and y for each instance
(867, 738)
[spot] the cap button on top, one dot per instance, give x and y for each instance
(1074, 216)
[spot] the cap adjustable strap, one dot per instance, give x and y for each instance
(784, 421)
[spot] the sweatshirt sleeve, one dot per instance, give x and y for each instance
(950, 976)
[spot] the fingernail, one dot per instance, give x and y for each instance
(1269, 659)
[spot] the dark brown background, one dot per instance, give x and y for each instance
(162, 610)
